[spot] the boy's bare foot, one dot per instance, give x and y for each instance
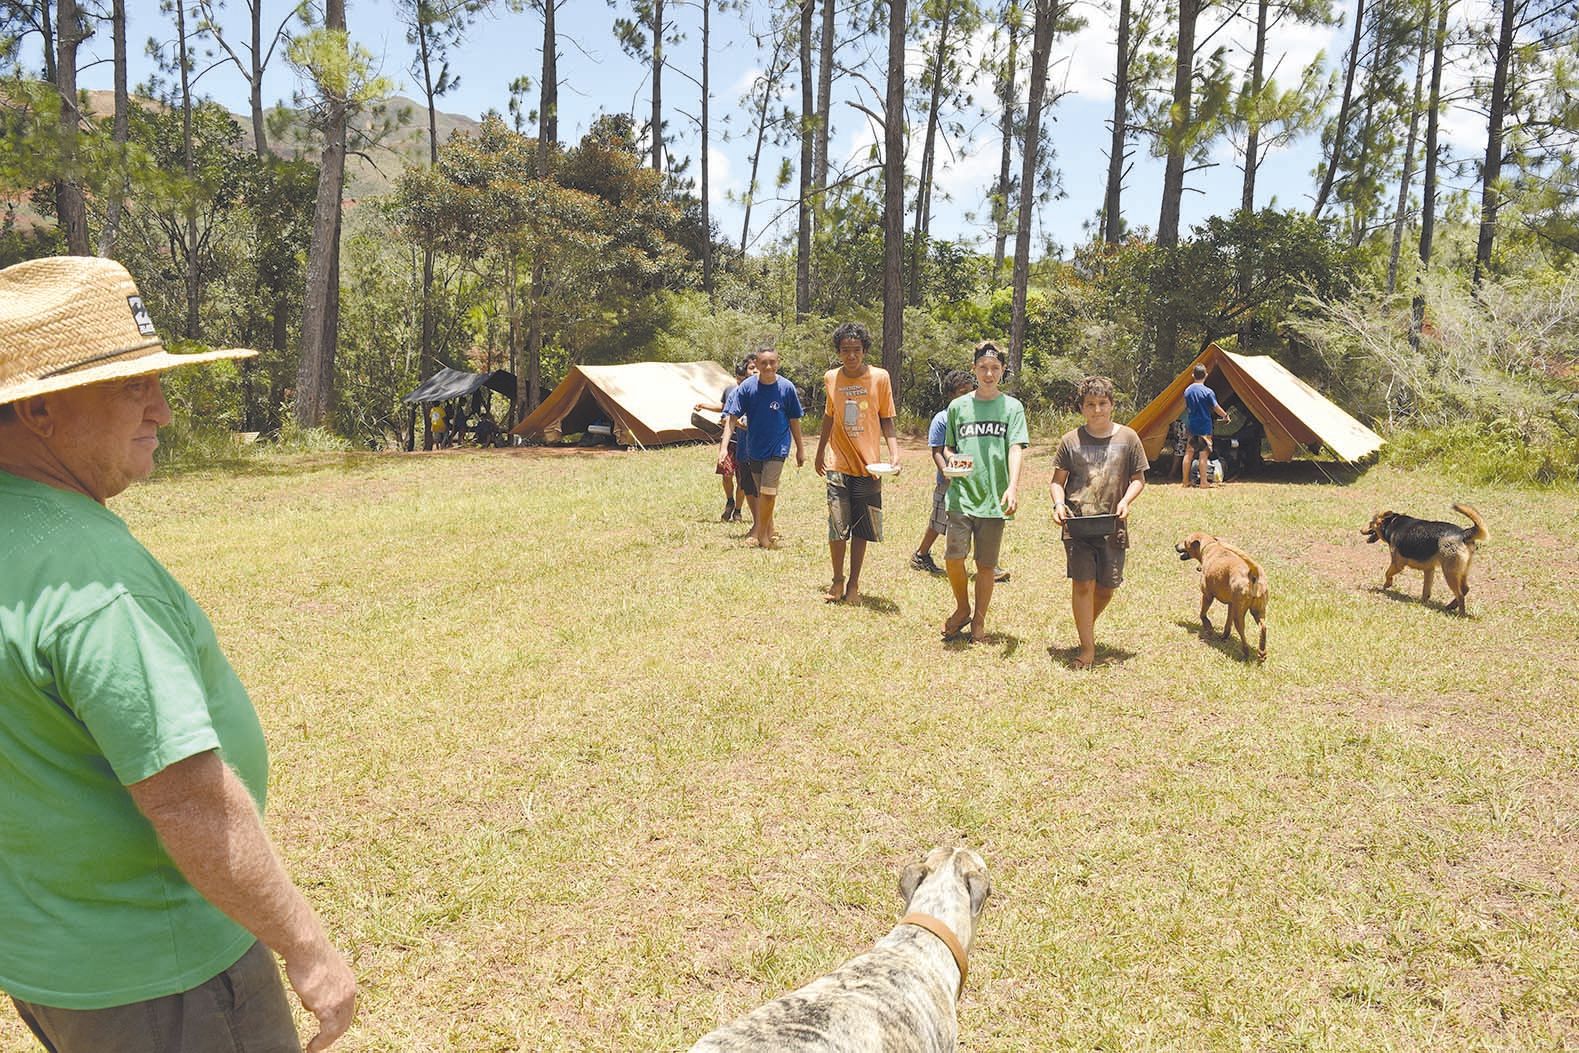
(835, 591)
(1083, 661)
(852, 595)
(978, 631)
(752, 541)
(955, 625)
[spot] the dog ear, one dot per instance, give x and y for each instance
(980, 888)
(910, 879)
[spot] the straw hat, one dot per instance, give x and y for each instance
(67, 321)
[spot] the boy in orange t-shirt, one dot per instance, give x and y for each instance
(859, 409)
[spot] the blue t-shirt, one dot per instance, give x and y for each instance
(937, 435)
(1199, 401)
(769, 408)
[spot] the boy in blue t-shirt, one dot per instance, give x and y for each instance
(955, 383)
(1200, 404)
(773, 407)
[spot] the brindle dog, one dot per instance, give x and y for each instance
(899, 996)
(1428, 544)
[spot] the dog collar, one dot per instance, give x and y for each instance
(946, 934)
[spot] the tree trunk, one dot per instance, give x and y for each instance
(928, 154)
(768, 84)
(194, 321)
(1343, 111)
(314, 378)
(894, 199)
(260, 134)
(120, 129)
(1167, 336)
(707, 218)
(808, 135)
(824, 104)
(1428, 188)
(1247, 196)
(1406, 178)
(1008, 100)
(425, 351)
(548, 105)
(1041, 48)
(1491, 170)
(71, 209)
(1360, 203)
(1178, 125)
(1112, 217)
(657, 85)
(46, 30)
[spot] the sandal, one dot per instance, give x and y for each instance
(955, 630)
(1079, 664)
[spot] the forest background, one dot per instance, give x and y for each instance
(1382, 194)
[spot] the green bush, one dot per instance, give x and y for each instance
(1535, 452)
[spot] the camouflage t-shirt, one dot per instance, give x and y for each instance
(1099, 469)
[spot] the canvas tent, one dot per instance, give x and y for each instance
(1293, 413)
(649, 403)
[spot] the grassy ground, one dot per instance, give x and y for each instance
(567, 767)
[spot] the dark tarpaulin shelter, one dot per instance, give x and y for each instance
(449, 384)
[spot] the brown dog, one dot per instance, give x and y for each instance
(1231, 576)
(1426, 544)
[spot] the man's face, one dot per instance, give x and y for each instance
(106, 434)
(1097, 409)
(768, 367)
(989, 371)
(851, 354)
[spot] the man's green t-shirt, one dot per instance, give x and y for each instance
(109, 673)
(984, 429)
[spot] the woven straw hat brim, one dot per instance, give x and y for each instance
(154, 362)
(70, 321)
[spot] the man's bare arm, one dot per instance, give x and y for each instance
(209, 825)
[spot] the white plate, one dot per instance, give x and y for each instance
(957, 471)
(883, 468)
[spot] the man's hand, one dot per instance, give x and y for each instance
(817, 463)
(1060, 512)
(1123, 509)
(324, 983)
(1009, 501)
(722, 457)
(800, 460)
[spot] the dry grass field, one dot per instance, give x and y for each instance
(566, 767)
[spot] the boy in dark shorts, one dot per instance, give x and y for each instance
(1099, 469)
(772, 407)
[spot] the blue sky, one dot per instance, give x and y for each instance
(597, 77)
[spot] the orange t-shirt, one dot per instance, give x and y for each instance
(856, 405)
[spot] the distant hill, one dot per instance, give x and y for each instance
(364, 177)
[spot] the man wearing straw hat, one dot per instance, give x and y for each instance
(139, 893)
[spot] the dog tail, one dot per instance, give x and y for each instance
(1479, 533)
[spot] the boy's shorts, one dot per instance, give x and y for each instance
(1098, 559)
(766, 475)
(743, 476)
(1199, 443)
(855, 507)
(938, 524)
(985, 531)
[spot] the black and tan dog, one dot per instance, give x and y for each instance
(1427, 544)
(1231, 576)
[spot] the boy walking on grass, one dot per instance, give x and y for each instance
(772, 406)
(955, 383)
(1099, 469)
(860, 405)
(987, 428)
